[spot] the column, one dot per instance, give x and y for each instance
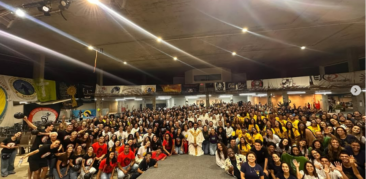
(99, 101)
(358, 103)
(324, 103)
(207, 101)
(154, 103)
(284, 97)
(321, 70)
(269, 99)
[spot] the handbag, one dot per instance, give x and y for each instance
(5, 156)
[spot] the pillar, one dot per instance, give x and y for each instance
(285, 97)
(207, 101)
(358, 103)
(99, 101)
(154, 103)
(324, 103)
(269, 99)
(352, 60)
(321, 70)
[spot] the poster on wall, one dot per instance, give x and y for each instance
(329, 80)
(291, 82)
(220, 86)
(176, 88)
(42, 113)
(131, 90)
(87, 92)
(21, 89)
(359, 77)
(46, 90)
(190, 88)
(85, 114)
(148, 89)
(257, 84)
(241, 86)
(68, 91)
(3, 97)
(230, 86)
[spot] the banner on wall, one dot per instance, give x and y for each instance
(236, 86)
(131, 90)
(329, 80)
(46, 90)
(190, 88)
(86, 92)
(85, 114)
(42, 113)
(67, 91)
(210, 85)
(3, 97)
(291, 82)
(21, 89)
(241, 86)
(257, 84)
(359, 77)
(230, 86)
(148, 89)
(174, 88)
(220, 86)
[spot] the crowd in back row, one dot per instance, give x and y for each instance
(249, 141)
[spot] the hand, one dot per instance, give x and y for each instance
(65, 173)
(297, 164)
(124, 171)
(231, 169)
(326, 169)
(86, 171)
(266, 172)
(338, 166)
(317, 166)
(352, 160)
(60, 175)
(25, 118)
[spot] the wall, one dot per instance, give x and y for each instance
(86, 106)
(238, 77)
(225, 75)
(239, 98)
(178, 80)
(303, 100)
(179, 101)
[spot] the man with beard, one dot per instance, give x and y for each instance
(195, 139)
(233, 163)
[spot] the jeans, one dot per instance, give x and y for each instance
(7, 166)
(62, 171)
(105, 175)
(73, 174)
(178, 150)
(121, 175)
(135, 175)
(213, 148)
(52, 165)
(92, 170)
(205, 147)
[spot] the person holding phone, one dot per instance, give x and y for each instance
(233, 163)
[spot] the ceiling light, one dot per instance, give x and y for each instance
(90, 47)
(303, 48)
(296, 92)
(125, 63)
(246, 94)
(234, 53)
(46, 9)
(175, 58)
(64, 4)
(120, 99)
(323, 92)
(225, 96)
(129, 98)
(20, 13)
(262, 95)
(191, 97)
(138, 99)
(245, 30)
(93, 1)
(159, 39)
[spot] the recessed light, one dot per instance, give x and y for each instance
(90, 47)
(125, 63)
(175, 58)
(303, 48)
(20, 13)
(234, 53)
(159, 39)
(245, 30)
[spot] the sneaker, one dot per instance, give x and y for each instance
(11, 173)
(4, 176)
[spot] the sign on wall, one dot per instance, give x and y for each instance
(291, 82)
(220, 86)
(174, 88)
(125, 90)
(85, 114)
(190, 88)
(42, 113)
(329, 80)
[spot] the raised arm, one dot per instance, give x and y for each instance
(30, 124)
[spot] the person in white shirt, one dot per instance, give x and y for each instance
(229, 131)
(221, 155)
(336, 172)
(148, 134)
(270, 137)
(135, 129)
(121, 135)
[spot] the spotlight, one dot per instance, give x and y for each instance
(125, 63)
(45, 7)
(303, 48)
(159, 39)
(90, 47)
(93, 1)
(245, 30)
(64, 4)
(175, 58)
(20, 13)
(234, 53)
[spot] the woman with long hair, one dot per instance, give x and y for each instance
(318, 146)
(314, 127)
(279, 130)
(213, 140)
(285, 172)
(305, 133)
(315, 159)
(62, 166)
(292, 133)
(221, 155)
(87, 163)
(243, 146)
(107, 166)
(303, 147)
(138, 138)
(155, 143)
(112, 141)
(356, 131)
(345, 139)
(284, 146)
(309, 171)
(85, 141)
(253, 124)
(76, 160)
(143, 150)
(178, 141)
(168, 145)
(333, 150)
(270, 137)
(254, 135)
(275, 165)
(206, 142)
(221, 134)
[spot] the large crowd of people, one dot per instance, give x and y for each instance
(248, 141)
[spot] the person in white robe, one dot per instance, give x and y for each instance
(195, 139)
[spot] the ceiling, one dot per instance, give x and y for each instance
(205, 31)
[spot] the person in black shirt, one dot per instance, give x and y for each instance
(8, 154)
(285, 172)
(145, 164)
(261, 155)
(72, 141)
(42, 136)
(251, 169)
(65, 134)
(63, 165)
(87, 163)
(275, 166)
(38, 159)
(349, 166)
(234, 146)
(76, 160)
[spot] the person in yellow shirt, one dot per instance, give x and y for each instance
(279, 130)
(254, 135)
(238, 131)
(253, 124)
(292, 133)
(314, 127)
(293, 121)
(243, 146)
